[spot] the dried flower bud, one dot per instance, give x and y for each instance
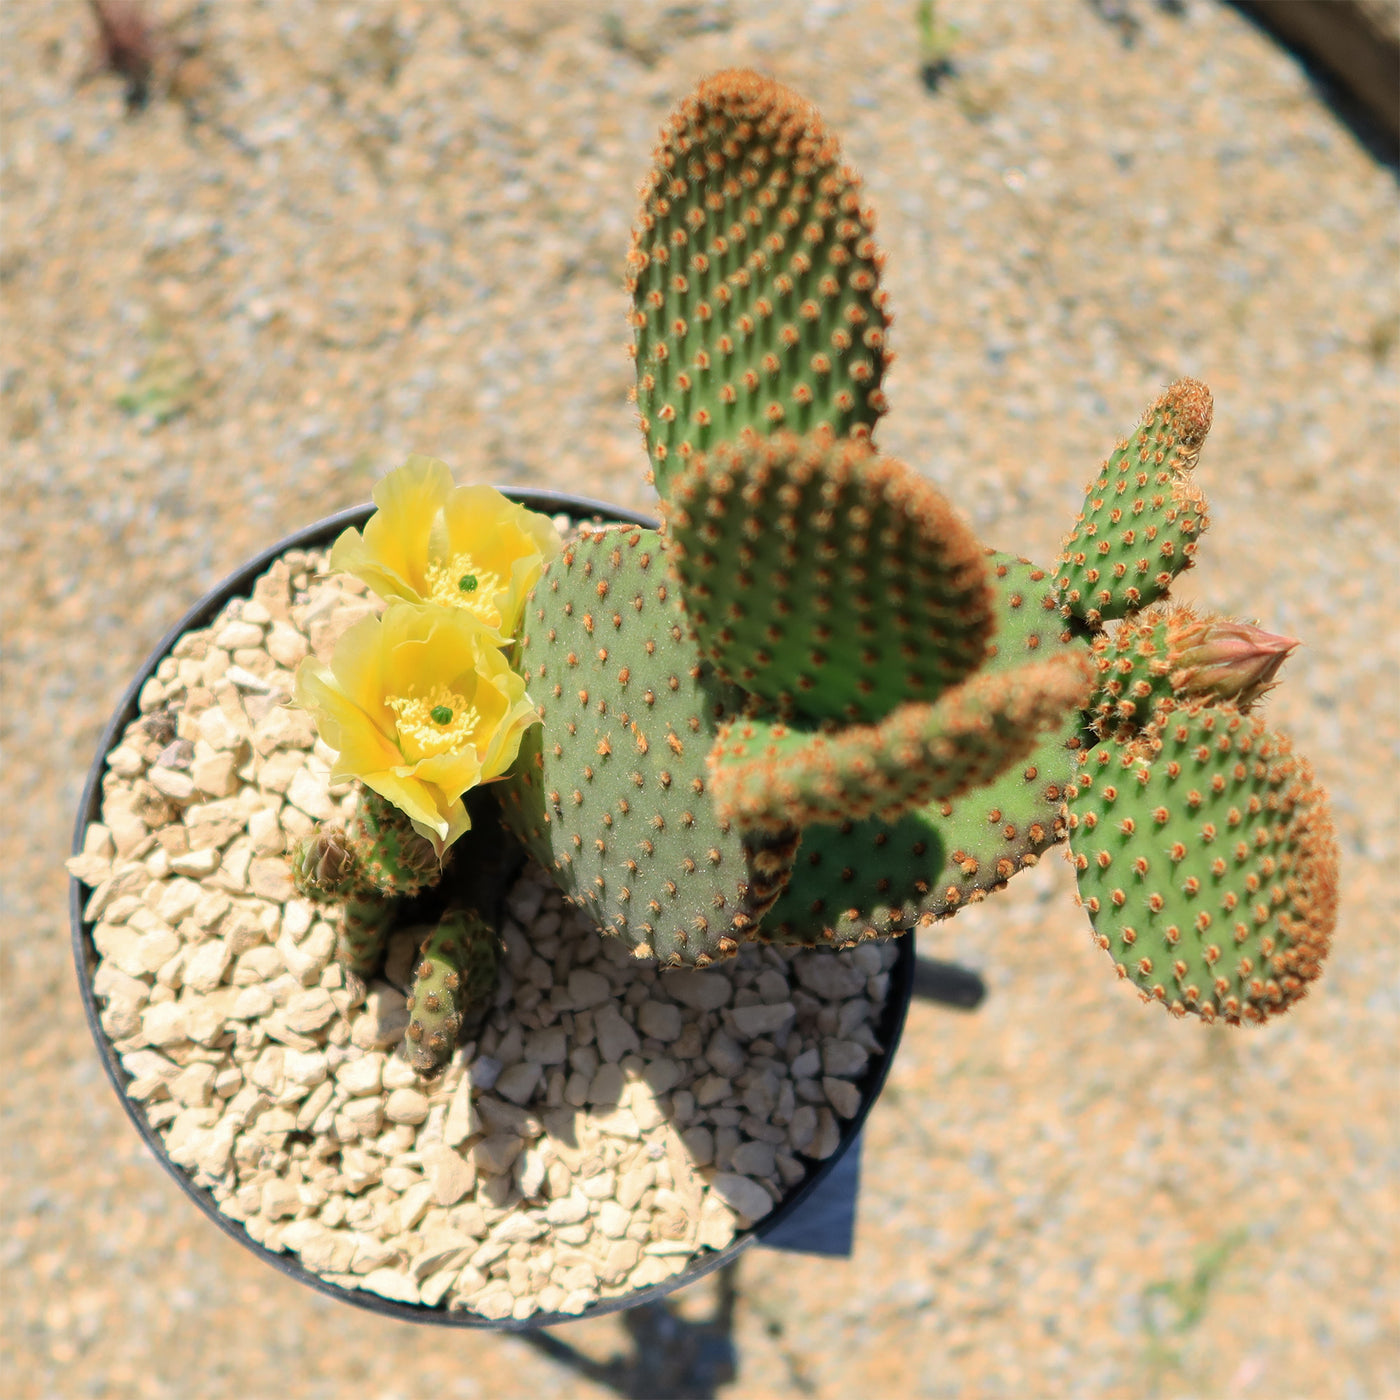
(324, 865)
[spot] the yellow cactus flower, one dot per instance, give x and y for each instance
(420, 706)
(463, 547)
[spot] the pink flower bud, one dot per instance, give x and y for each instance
(1226, 660)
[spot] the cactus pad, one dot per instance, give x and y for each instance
(869, 879)
(611, 795)
(454, 982)
(754, 277)
(1143, 513)
(827, 580)
(1207, 861)
(767, 775)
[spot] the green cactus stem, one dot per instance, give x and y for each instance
(1142, 514)
(754, 277)
(829, 581)
(871, 879)
(394, 858)
(1159, 659)
(454, 984)
(1206, 859)
(364, 931)
(768, 776)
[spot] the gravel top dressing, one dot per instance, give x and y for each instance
(608, 1123)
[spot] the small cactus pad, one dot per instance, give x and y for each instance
(768, 776)
(831, 582)
(1143, 513)
(1207, 861)
(610, 795)
(394, 858)
(454, 982)
(364, 930)
(1160, 658)
(870, 879)
(754, 277)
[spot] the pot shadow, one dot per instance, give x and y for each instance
(678, 1358)
(673, 1357)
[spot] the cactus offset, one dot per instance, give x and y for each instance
(454, 982)
(826, 580)
(770, 776)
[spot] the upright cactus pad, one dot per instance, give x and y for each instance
(1143, 513)
(454, 982)
(831, 582)
(611, 794)
(1206, 859)
(754, 277)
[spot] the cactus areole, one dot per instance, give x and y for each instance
(810, 708)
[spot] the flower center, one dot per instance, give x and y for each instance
(432, 724)
(459, 582)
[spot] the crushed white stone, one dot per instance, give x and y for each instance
(586, 1145)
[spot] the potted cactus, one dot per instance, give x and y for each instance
(596, 842)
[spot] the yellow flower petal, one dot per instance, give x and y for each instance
(468, 547)
(392, 554)
(421, 706)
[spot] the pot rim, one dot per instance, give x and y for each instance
(239, 583)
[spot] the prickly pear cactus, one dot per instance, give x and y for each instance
(454, 982)
(812, 708)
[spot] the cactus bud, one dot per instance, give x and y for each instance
(1221, 659)
(324, 865)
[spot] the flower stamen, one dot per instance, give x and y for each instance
(437, 723)
(458, 582)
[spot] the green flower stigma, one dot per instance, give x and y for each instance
(440, 714)
(467, 583)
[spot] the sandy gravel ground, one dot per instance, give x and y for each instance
(360, 229)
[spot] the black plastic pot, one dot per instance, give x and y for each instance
(240, 584)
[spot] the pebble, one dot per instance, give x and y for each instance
(588, 989)
(406, 1106)
(519, 1082)
(660, 1020)
(747, 1197)
(701, 991)
(547, 1046)
(763, 1019)
(495, 1154)
(843, 1096)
